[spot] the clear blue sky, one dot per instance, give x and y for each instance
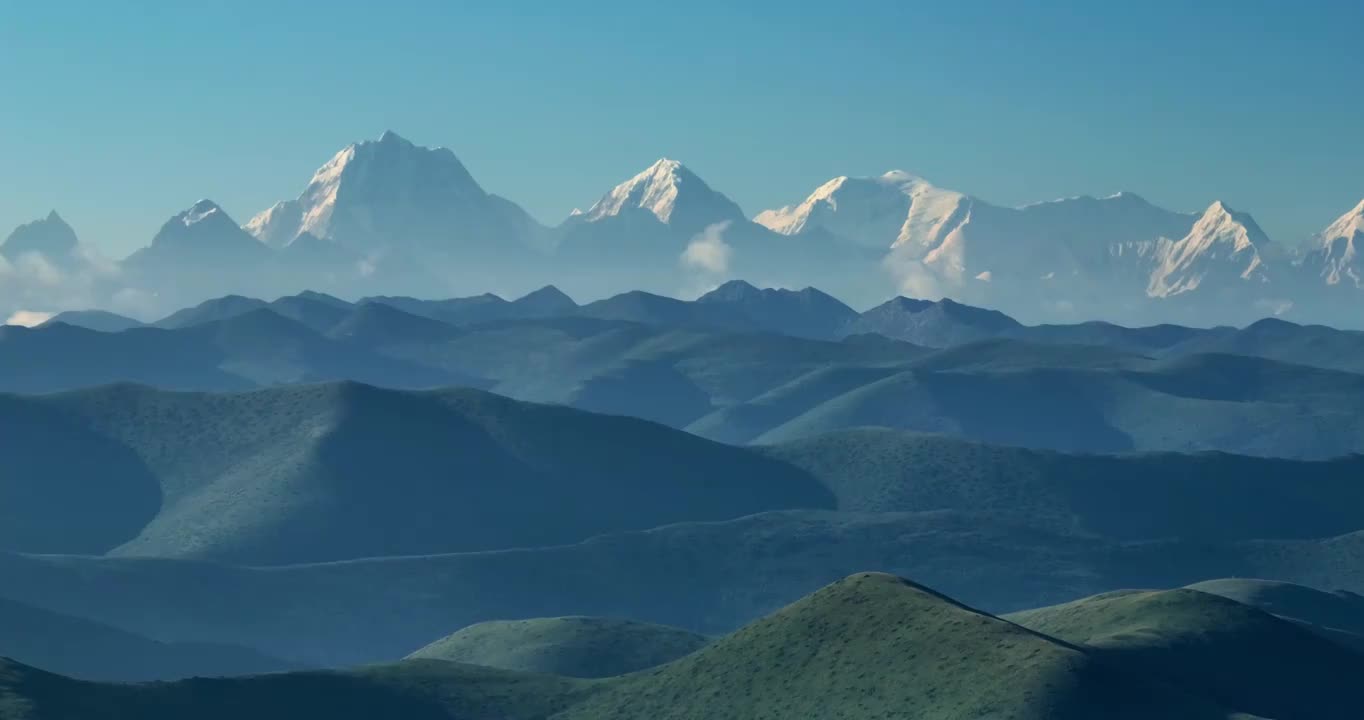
(120, 114)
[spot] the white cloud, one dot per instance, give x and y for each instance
(28, 318)
(708, 251)
(79, 281)
(914, 279)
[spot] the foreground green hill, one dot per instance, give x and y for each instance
(1245, 658)
(877, 646)
(845, 651)
(338, 471)
(84, 649)
(585, 647)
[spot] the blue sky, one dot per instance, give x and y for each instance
(120, 114)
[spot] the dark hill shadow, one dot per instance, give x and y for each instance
(65, 488)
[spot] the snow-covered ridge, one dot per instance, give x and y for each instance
(1335, 251)
(199, 212)
(667, 189)
(1223, 241)
(882, 211)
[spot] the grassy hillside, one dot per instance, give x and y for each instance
(1143, 496)
(338, 471)
(88, 650)
(1223, 402)
(1245, 658)
(705, 577)
(848, 649)
(844, 651)
(584, 647)
(1337, 615)
(1314, 345)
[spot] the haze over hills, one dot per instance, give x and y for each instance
(90, 651)
(744, 365)
(386, 216)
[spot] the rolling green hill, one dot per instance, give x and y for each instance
(844, 651)
(91, 651)
(1137, 496)
(875, 646)
(584, 647)
(1216, 402)
(339, 471)
(1244, 658)
(1336, 615)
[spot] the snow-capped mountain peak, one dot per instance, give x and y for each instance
(1336, 249)
(1223, 241)
(671, 192)
(390, 192)
(199, 212)
(1348, 225)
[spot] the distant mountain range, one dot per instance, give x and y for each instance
(748, 365)
(388, 217)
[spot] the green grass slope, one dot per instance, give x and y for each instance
(1245, 658)
(1337, 615)
(876, 646)
(869, 646)
(338, 471)
(91, 651)
(585, 647)
(1223, 402)
(1138, 496)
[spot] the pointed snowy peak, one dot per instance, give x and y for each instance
(1226, 224)
(1224, 245)
(672, 193)
(1335, 251)
(201, 234)
(1349, 225)
(204, 210)
(50, 237)
(388, 193)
